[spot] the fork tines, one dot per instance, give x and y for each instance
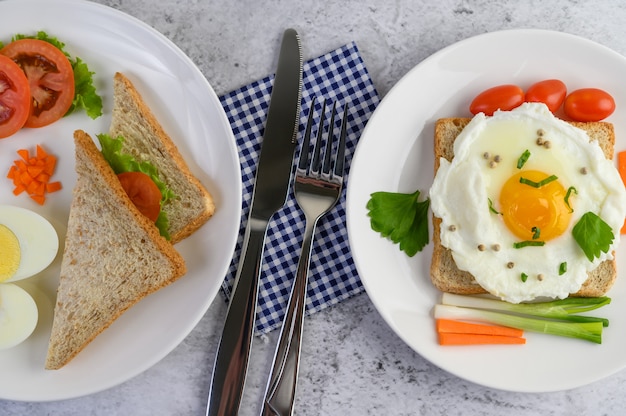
(318, 165)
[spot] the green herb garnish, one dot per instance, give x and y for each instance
(492, 209)
(528, 243)
(567, 195)
(401, 218)
(539, 184)
(562, 268)
(123, 162)
(85, 95)
(524, 277)
(593, 235)
(536, 232)
(523, 159)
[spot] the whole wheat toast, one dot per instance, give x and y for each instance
(444, 273)
(113, 257)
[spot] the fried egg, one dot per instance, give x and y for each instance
(518, 184)
(28, 243)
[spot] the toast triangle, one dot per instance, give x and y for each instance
(113, 257)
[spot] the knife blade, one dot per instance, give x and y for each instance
(268, 196)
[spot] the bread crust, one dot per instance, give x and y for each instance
(145, 139)
(444, 273)
(113, 257)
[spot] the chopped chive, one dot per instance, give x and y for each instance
(562, 268)
(536, 232)
(523, 159)
(539, 184)
(491, 208)
(522, 244)
(567, 195)
(524, 277)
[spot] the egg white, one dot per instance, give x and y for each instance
(18, 315)
(462, 188)
(39, 242)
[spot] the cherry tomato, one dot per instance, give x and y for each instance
(551, 92)
(503, 97)
(50, 75)
(14, 97)
(589, 104)
(143, 192)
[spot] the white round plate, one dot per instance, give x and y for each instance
(395, 154)
(189, 110)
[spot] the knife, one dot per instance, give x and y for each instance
(268, 196)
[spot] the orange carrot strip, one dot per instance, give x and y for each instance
(449, 338)
(40, 199)
(53, 186)
(24, 154)
(41, 154)
(460, 327)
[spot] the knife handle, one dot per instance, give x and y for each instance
(231, 361)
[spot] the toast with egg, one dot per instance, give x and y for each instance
(113, 257)
(146, 140)
(447, 277)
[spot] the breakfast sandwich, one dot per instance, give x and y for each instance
(525, 206)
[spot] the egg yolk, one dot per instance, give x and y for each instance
(531, 212)
(10, 249)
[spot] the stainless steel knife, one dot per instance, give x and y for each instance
(269, 195)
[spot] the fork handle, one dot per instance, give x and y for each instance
(281, 388)
(231, 361)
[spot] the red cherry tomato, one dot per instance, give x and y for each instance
(551, 92)
(503, 97)
(589, 104)
(50, 75)
(14, 97)
(143, 192)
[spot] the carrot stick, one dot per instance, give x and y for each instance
(460, 327)
(448, 338)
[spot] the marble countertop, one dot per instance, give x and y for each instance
(352, 362)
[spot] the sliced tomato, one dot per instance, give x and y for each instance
(143, 192)
(14, 97)
(50, 76)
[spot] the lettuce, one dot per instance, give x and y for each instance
(123, 162)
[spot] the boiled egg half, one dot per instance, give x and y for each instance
(28, 244)
(519, 183)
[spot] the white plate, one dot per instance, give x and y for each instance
(191, 113)
(395, 154)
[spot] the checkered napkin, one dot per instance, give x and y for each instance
(338, 76)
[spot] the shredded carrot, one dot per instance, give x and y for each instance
(32, 173)
(449, 338)
(621, 167)
(460, 327)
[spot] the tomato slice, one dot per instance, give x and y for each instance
(50, 76)
(14, 97)
(143, 192)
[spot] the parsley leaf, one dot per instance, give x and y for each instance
(593, 235)
(401, 218)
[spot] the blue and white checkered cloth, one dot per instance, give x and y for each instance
(338, 76)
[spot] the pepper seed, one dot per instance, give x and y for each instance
(583, 170)
(452, 228)
(510, 265)
(540, 277)
(496, 247)
(481, 247)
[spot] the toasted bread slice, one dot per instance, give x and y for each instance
(443, 270)
(145, 139)
(113, 257)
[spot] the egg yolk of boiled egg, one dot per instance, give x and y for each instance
(531, 211)
(10, 259)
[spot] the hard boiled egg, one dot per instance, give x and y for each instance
(18, 315)
(28, 243)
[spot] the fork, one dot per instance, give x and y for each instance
(317, 188)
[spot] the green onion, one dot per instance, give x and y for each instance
(491, 208)
(539, 184)
(556, 317)
(524, 277)
(562, 268)
(534, 243)
(523, 159)
(536, 232)
(567, 195)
